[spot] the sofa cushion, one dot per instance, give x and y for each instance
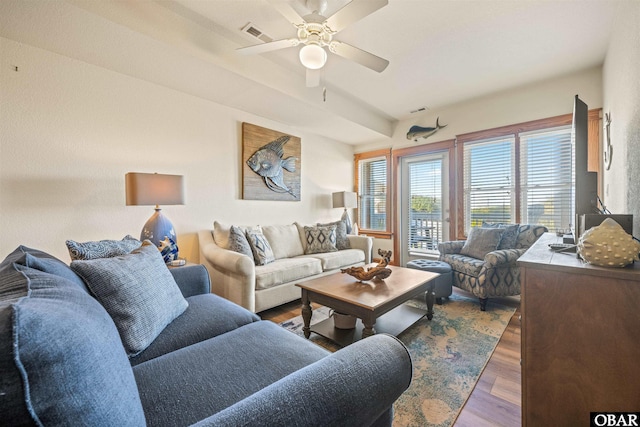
(320, 239)
(342, 241)
(137, 290)
(207, 316)
(528, 235)
(62, 360)
(509, 234)
(102, 248)
(259, 353)
(481, 241)
(238, 242)
(44, 262)
(262, 252)
(463, 264)
(335, 260)
(284, 240)
(286, 270)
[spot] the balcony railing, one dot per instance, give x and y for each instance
(425, 231)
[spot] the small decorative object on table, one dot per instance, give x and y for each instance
(608, 245)
(169, 249)
(379, 272)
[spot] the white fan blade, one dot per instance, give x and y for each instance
(352, 12)
(360, 56)
(268, 47)
(287, 11)
(313, 77)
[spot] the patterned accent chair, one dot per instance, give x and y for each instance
(495, 275)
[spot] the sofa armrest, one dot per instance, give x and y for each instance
(452, 247)
(192, 279)
(353, 386)
(233, 275)
(502, 257)
(364, 243)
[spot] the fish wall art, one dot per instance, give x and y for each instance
(271, 164)
(417, 132)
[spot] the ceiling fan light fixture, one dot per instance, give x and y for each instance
(313, 56)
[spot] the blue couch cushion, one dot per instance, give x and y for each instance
(61, 358)
(202, 379)
(207, 316)
(137, 290)
(44, 262)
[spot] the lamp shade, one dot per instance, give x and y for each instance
(313, 56)
(345, 199)
(154, 189)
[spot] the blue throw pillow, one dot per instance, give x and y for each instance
(137, 290)
(61, 357)
(481, 241)
(102, 248)
(238, 242)
(320, 239)
(262, 252)
(509, 233)
(342, 239)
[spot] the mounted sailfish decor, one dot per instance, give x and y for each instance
(271, 164)
(417, 132)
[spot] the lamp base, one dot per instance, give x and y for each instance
(347, 221)
(157, 228)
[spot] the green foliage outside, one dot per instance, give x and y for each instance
(424, 204)
(490, 214)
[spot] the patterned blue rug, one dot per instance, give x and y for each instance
(449, 353)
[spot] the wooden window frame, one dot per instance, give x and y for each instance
(386, 153)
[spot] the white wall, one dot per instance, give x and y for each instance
(622, 101)
(70, 131)
(538, 100)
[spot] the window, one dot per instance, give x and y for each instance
(424, 199)
(546, 178)
(518, 174)
(372, 183)
(489, 181)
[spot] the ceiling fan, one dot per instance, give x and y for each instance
(316, 33)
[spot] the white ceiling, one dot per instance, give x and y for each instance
(441, 52)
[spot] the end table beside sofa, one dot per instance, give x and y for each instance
(64, 362)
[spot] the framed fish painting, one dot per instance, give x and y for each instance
(270, 164)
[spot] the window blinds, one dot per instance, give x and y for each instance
(546, 176)
(489, 181)
(373, 193)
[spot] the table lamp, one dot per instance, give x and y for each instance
(144, 189)
(345, 199)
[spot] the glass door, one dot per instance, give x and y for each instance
(424, 205)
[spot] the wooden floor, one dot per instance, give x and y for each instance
(495, 401)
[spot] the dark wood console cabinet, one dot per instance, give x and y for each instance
(580, 337)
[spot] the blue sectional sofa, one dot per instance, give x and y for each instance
(64, 359)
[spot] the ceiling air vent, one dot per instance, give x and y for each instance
(417, 110)
(257, 33)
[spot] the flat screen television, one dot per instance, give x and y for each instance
(586, 188)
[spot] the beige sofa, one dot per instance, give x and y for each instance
(235, 276)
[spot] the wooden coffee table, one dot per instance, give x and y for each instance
(377, 303)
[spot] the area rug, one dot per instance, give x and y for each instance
(448, 352)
